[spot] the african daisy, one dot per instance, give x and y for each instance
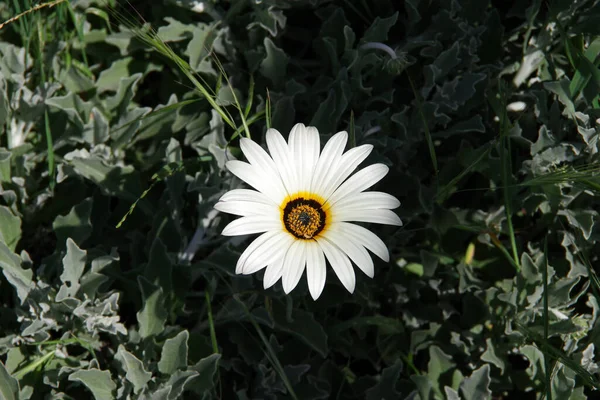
(302, 205)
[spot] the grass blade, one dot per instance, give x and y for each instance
(547, 367)
(506, 166)
(558, 355)
(425, 124)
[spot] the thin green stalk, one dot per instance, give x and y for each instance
(249, 121)
(425, 125)
(250, 97)
(55, 342)
(151, 39)
(559, 355)
(20, 15)
(237, 103)
(581, 175)
(594, 281)
(50, 146)
(48, 131)
(505, 165)
(34, 365)
(593, 185)
(408, 360)
(268, 110)
(444, 192)
(211, 324)
(504, 252)
(507, 205)
(547, 370)
(80, 34)
(270, 352)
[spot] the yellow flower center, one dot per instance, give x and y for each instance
(303, 217)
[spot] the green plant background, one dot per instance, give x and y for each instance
(486, 111)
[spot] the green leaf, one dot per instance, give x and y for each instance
(10, 228)
(379, 29)
(562, 91)
(489, 355)
(200, 46)
(113, 180)
(386, 387)
(562, 384)
(73, 266)
(159, 268)
(477, 386)
(76, 109)
(110, 78)
(98, 382)
(304, 326)
(9, 386)
(134, 369)
(581, 219)
(93, 279)
(423, 384)
(4, 102)
(586, 70)
(174, 353)
(180, 381)
(530, 270)
(274, 65)
(414, 268)
(153, 315)
(19, 278)
(270, 19)
(96, 131)
(76, 224)
(326, 109)
(206, 368)
(75, 81)
(451, 394)
(175, 31)
(125, 93)
(544, 141)
(438, 368)
(129, 124)
(5, 157)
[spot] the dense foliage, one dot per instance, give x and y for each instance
(486, 111)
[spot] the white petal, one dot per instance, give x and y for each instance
(328, 162)
(348, 163)
(356, 252)
(363, 179)
(367, 200)
(259, 158)
(256, 243)
(252, 224)
(367, 238)
(304, 145)
(339, 263)
(293, 265)
(268, 252)
(273, 273)
(245, 195)
(258, 180)
(284, 160)
(377, 216)
(246, 208)
(316, 270)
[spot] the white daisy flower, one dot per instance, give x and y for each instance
(303, 204)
